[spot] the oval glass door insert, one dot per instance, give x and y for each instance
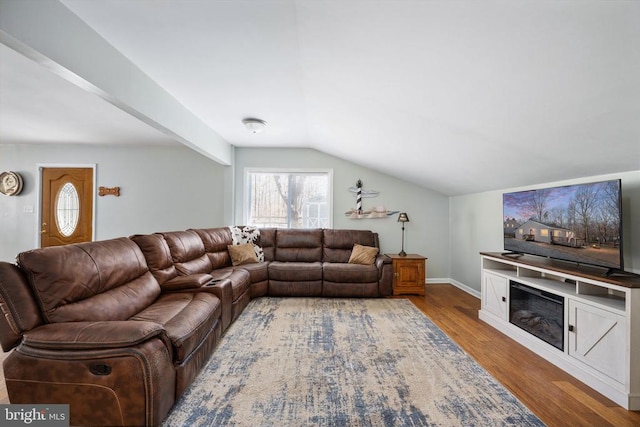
(67, 209)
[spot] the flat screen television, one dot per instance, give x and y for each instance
(580, 223)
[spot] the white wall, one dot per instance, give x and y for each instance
(427, 233)
(162, 188)
(476, 225)
(174, 188)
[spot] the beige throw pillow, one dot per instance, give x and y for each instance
(363, 255)
(242, 254)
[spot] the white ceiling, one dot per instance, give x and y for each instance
(37, 106)
(457, 96)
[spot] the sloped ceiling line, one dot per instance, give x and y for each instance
(53, 36)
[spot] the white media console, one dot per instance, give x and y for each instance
(600, 325)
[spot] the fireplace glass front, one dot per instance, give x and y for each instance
(538, 312)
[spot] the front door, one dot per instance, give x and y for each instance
(67, 206)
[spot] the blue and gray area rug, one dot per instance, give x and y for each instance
(343, 362)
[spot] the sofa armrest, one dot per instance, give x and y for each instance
(92, 335)
(181, 283)
(382, 259)
(385, 271)
(223, 290)
(197, 283)
(126, 386)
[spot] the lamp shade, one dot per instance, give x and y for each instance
(403, 217)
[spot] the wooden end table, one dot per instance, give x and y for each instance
(409, 274)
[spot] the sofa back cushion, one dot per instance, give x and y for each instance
(105, 280)
(215, 241)
(338, 244)
(156, 252)
(19, 311)
(294, 245)
(268, 242)
(187, 252)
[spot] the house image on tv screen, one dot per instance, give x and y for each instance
(577, 223)
(534, 231)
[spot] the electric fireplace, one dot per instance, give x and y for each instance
(538, 312)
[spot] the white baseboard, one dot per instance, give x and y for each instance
(455, 283)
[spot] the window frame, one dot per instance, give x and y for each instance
(246, 187)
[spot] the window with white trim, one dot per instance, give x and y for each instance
(288, 199)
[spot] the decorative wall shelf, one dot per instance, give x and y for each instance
(353, 214)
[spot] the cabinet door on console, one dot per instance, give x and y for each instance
(494, 294)
(598, 339)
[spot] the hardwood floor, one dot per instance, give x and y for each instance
(554, 396)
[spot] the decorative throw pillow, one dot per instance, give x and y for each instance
(242, 254)
(247, 234)
(363, 255)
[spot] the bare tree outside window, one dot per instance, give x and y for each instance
(289, 199)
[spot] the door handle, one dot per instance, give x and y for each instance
(43, 231)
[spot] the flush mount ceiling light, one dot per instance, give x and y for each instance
(254, 125)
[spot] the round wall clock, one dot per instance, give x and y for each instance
(10, 183)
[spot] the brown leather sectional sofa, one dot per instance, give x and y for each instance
(119, 328)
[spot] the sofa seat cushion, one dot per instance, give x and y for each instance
(349, 273)
(239, 277)
(186, 317)
(258, 272)
(350, 290)
(296, 288)
(295, 271)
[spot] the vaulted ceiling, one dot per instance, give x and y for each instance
(457, 96)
